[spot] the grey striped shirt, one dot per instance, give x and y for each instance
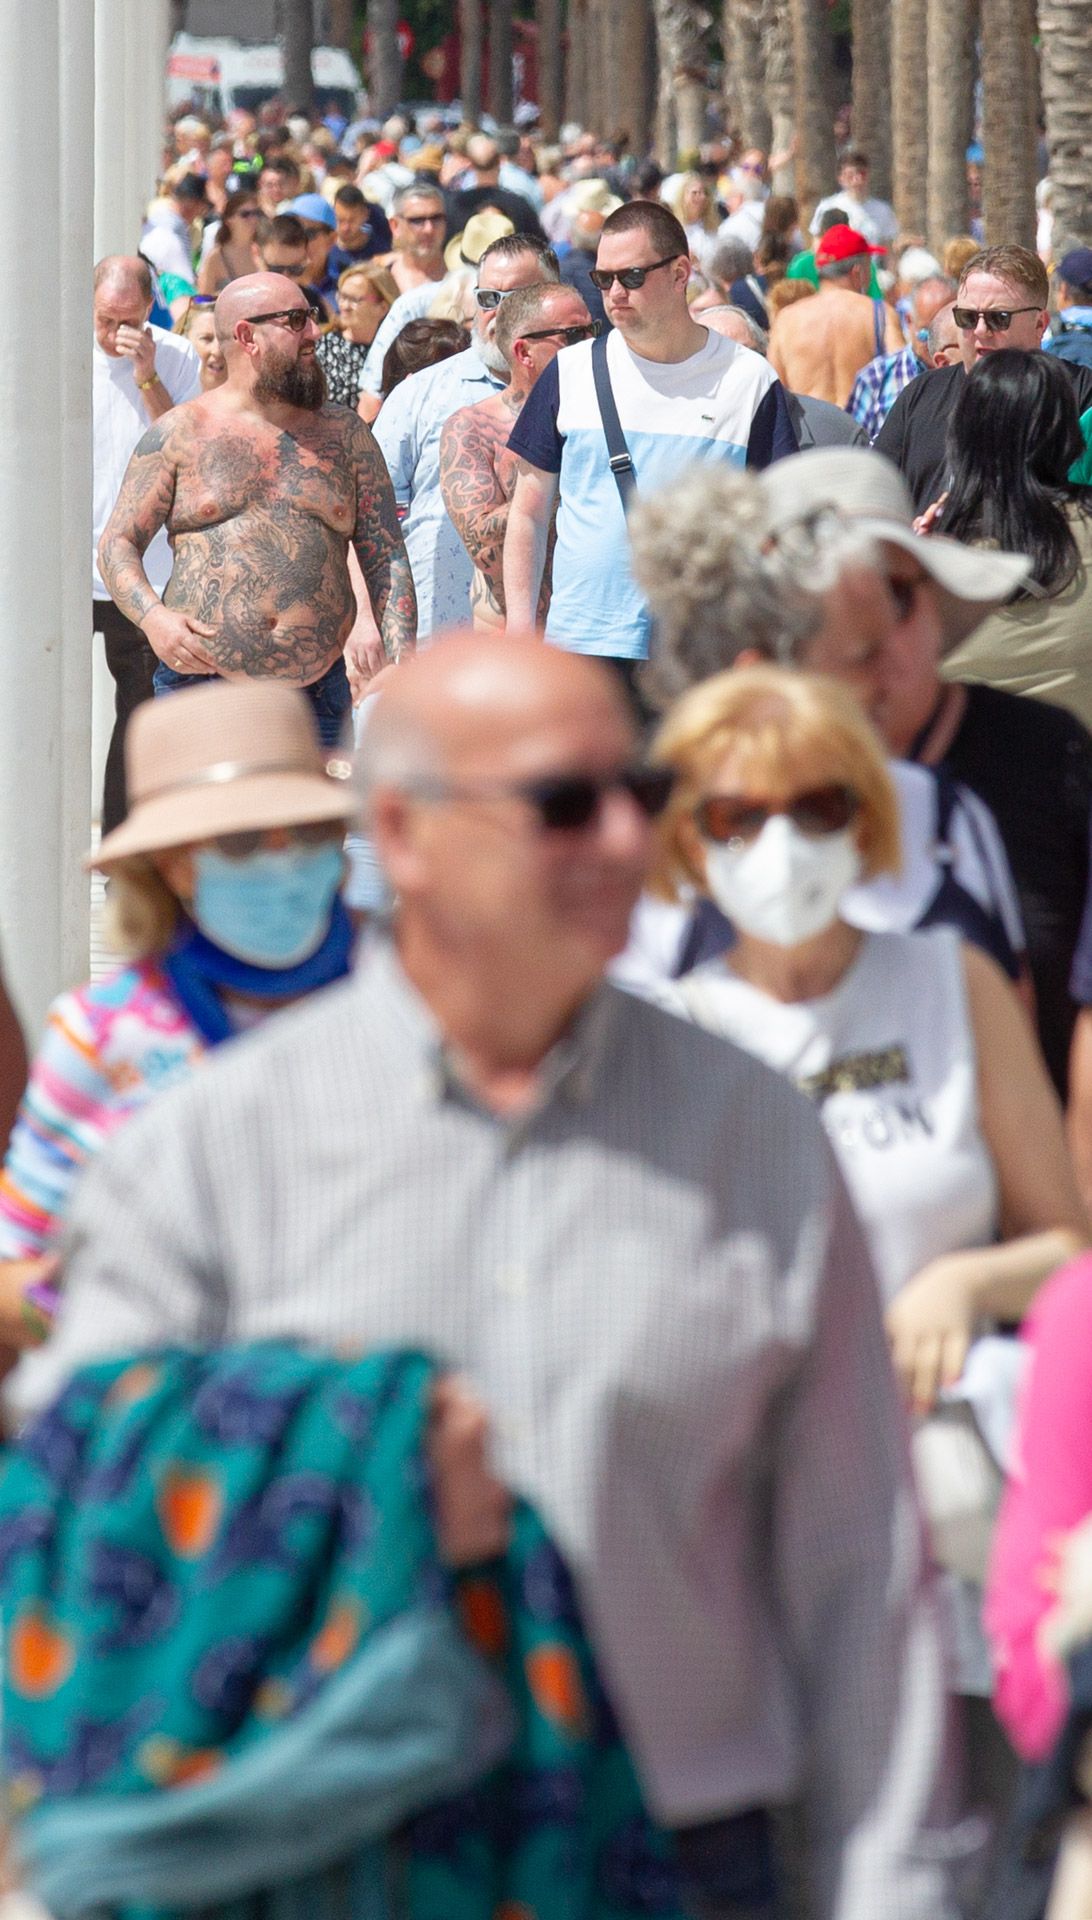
(656, 1282)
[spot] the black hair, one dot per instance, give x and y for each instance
(420, 344)
(1013, 435)
(281, 230)
(349, 196)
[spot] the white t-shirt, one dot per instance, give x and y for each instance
(875, 219)
(889, 1059)
(120, 420)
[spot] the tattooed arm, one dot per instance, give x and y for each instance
(141, 508)
(379, 547)
(472, 492)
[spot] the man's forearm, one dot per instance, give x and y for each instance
(524, 559)
(122, 567)
(394, 601)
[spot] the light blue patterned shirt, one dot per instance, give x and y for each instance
(408, 430)
(413, 305)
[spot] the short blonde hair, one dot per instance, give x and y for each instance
(141, 913)
(784, 727)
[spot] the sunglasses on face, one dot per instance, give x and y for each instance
(424, 219)
(488, 298)
(998, 319)
(571, 802)
(588, 330)
(305, 833)
(294, 318)
(819, 811)
(629, 277)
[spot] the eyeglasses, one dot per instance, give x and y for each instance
(629, 277)
(590, 330)
(303, 833)
(489, 297)
(817, 812)
(294, 318)
(424, 219)
(247, 213)
(202, 300)
(570, 802)
(998, 319)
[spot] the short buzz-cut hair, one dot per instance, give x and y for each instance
(281, 230)
(349, 195)
(1018, 265)
(665, 232)
(521, 312)
(511, 245)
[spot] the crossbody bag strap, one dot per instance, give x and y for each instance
(621, 462)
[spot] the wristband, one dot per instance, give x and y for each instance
(143, 385)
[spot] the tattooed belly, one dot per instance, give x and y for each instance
(274, 587)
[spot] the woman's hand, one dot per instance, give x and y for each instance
(930, 1324)
(472, 1506)
(22, 1322)
(927, 522)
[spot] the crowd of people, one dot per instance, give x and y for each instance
(548, 1297)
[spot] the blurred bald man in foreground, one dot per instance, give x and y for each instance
(628, 1235)
(263, 488)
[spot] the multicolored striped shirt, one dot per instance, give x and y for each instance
(878, 386)
(108, 1048)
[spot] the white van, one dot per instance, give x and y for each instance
(219, 74)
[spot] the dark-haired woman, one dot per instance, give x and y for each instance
(232, 253)
(1013, 437)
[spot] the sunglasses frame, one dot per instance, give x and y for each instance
(967, 318)
(572, 336)
(748, 820)
(286, 316)
(568, 802)
(629, 277)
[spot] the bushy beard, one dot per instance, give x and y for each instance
(296, 383)
(490, 353)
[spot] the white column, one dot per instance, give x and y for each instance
(32, 530)
(122, 183)
(77, 112)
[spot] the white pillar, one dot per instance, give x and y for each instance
(77, 105)
(41, 556)
(123, 186)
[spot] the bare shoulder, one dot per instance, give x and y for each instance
(343, 427)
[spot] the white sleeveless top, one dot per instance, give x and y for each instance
(889, 1058)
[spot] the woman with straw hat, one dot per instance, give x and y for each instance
(225, 901)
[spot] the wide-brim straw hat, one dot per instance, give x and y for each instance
(864, 488)
(480, 231)
(231, 757)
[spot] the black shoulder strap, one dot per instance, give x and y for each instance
(621, 464)
(879, 325)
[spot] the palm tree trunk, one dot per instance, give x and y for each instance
(748, 112)
(384, 57)
(950, 81)
(500, 60)
(296, 36)
(1065, 29)
(1008, 122)
(909, 128)
(634, 47)
(776, 21)
(341, 23)
(548, 21)
(872, 88)
(576, 64)
(470, 59)
(813, 64)
(681, 28)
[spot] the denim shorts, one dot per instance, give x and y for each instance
(329, 696)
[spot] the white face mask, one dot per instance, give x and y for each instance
(786, 886)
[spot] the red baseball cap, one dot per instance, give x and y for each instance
(843, 243)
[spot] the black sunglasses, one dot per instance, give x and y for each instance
(570, 802)
(589, 330)
(998, 319)
(303, 833)
(819, 811)
(294, 318)
(629, 277)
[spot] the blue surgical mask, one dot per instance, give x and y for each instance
(272, 909)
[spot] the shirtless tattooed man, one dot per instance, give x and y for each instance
(263, 488)
(477, 473)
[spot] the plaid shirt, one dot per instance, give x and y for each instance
(878, 386)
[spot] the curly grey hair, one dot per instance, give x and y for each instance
(720, 582)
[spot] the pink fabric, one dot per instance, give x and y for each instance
(1049, 1491)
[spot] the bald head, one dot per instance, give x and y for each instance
(476, 699)
(125, 273)
(251, 294)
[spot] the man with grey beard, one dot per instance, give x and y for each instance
(263, 488)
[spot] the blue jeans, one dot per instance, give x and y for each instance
(329, 696)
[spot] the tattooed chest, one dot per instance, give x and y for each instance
(233, 475)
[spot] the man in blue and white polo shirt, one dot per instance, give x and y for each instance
(682, 394)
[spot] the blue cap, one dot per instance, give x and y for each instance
(312, 206)
(1075, 267)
